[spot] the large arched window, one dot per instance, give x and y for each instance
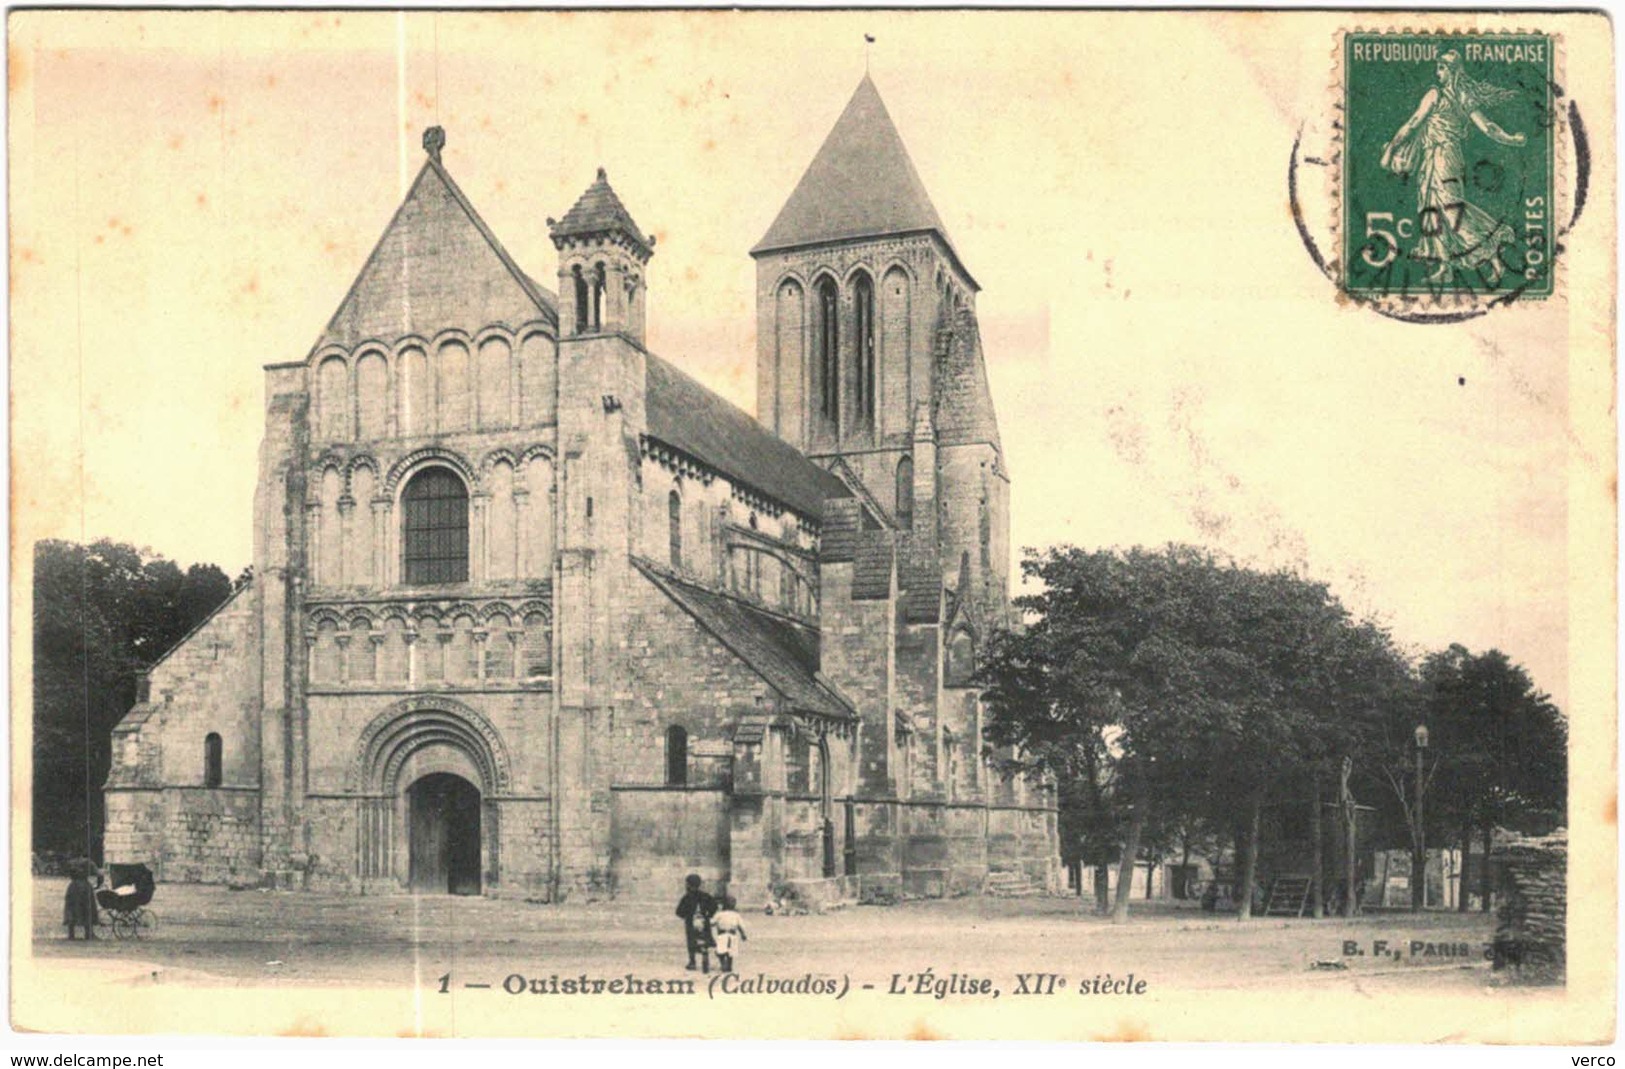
(829, 350)
(863, 299)
(598, 288)
(211, 759)
(674, 525)
(435, 536)
(905, 493)
(676, 757)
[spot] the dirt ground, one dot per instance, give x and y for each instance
(268, 938)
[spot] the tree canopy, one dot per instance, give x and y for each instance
(1171, 691)
(102, 613)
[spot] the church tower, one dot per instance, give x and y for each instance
(869, 354)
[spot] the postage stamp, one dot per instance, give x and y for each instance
(1448, 164)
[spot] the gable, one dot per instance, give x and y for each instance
(436, 267)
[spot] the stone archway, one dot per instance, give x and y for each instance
(427, 773)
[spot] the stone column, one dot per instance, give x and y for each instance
(316, 567)
(380, 542)
(346, 545)
(521, 516)
(478, 566)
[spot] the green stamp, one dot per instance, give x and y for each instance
(1448, 170)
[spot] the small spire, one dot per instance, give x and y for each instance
(434, 139)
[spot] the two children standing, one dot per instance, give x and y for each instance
(707, 924)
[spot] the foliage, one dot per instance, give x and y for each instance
(1171, 694)
(102, 613)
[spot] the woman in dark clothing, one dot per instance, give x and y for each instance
(696, 908)
(79, 906)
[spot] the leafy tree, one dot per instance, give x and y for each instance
(1497, 750)
(1193, 687)
(102, 613)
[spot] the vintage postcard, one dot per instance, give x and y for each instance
(819, 524)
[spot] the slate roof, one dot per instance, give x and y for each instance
(687, 416)
(919, 577)
(872, 566)
(838, 537)
(861, 184)
(783, 653)
(600, 211)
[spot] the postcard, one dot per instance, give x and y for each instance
(814, 524)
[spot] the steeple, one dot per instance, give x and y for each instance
(861, 184)
(602, 254)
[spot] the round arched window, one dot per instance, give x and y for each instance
(435, 536)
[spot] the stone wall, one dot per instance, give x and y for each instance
(1531, 920)
(678, 673)
(662, 835)
(159, 810)
(186, 835)
(210, 836)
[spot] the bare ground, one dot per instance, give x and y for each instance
(214, 935)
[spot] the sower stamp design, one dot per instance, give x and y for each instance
(1448, 172)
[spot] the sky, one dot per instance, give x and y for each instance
(192, 194)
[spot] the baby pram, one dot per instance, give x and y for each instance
(132, 887)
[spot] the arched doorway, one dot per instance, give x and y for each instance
(443, 814)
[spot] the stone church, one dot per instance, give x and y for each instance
(537, 614)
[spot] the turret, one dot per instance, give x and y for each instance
(602, 255)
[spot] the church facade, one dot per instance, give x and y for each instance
(536, 614)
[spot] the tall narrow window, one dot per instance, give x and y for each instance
(905, 493)
(676, 757)
(863, 296)
(211, 760)
(674, 523)
(829, 350)
(598, 297)
(583, 317)
(436, 531)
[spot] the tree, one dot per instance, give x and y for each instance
(1199, 686)
(1500, 746)
(102, 613)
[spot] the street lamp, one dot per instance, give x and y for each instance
(1420, 861)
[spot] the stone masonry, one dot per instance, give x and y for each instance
(536, 614)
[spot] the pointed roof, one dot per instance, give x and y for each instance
(861, 184)
(600, 211)
(436, 266)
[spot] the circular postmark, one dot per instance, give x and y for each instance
(1436, 186)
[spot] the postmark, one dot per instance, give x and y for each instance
(1448, 166)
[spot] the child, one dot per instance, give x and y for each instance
(729, 929)
(696, 908)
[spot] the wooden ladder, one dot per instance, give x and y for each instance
(1289, 896)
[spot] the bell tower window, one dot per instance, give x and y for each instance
(829, 349)
(863, 294)
(582, 306)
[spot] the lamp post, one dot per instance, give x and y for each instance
(1419, 860)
